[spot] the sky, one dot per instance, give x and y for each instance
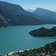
(33, 4)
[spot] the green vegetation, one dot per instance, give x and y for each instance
(43, 32)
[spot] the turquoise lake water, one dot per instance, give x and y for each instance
(17, 38)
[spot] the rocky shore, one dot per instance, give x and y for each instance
(47, 50)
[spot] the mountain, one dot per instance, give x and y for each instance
(45, 15)
(16, 15)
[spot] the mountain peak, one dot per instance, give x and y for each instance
(43, 11)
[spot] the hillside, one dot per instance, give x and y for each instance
(43, 32)
(16, 15)
(45, 15)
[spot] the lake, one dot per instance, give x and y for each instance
(17, 38)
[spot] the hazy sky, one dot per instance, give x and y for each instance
(33, 4)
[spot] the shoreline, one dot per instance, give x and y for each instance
(47, 50)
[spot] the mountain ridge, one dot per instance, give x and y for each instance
(16, 15)
(45, 15)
